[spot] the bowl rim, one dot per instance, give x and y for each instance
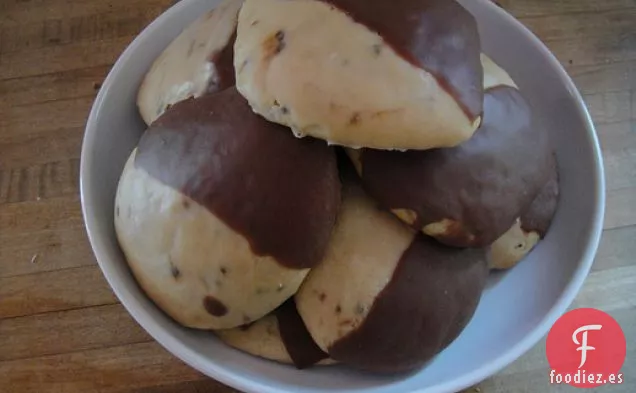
(235, 380)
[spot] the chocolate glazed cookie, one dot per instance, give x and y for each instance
(221, 214)
(468, 195)
(386, 299)
(280, 336)
(198, 61)
(530, 228)
(399, 74)
(435, 35)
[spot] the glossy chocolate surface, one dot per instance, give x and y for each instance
(280, 192)
(302, 349)
(430, 298)
(483, 185)
(539, 216)
(439, 36)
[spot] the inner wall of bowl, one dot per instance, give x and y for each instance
(511, 308)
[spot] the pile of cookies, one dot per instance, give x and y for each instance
(331, 181)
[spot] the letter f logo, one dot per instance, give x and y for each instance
(583, 344)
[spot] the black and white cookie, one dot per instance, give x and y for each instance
(221, 214)
(280, 336)
(528, 229)
(199, 61)
(402, 74)
(386, 298)
(471, 194)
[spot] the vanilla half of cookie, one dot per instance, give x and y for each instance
(401, 74)
(221, 214)
(198, 61)
(385, 298)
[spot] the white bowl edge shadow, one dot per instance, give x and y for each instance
(105, 252)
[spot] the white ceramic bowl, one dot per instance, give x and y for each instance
(516, 310)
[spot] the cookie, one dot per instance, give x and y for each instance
(386, 298)
(402, 74)
(260, 338)
(221, 214)
(264, 338)
(199, 61)
(528, 229)
(468, 195)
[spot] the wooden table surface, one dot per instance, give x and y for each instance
(61, 327)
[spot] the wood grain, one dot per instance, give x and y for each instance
(15, 12)
(199, 386)
(52, 115)
(74, 29)
(604, 78)
(617, 249)
(61, 327)
(133, 366)
(25, 295)
(591, 23)
(67, 331)
(620, 209)
(59, 58)
(56, 151)
(525, 9)
(42, 236)
(75, 83)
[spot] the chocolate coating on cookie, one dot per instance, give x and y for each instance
(433, 293)
(190, 263)
(302, 349)
(528, 230)
(474, 191)
(264, 338)
(279, 192)
(224, 61)
(386, 298)
(439, 36)
(413, 82)
(539, 215)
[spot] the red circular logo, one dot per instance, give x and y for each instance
(586, 348)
